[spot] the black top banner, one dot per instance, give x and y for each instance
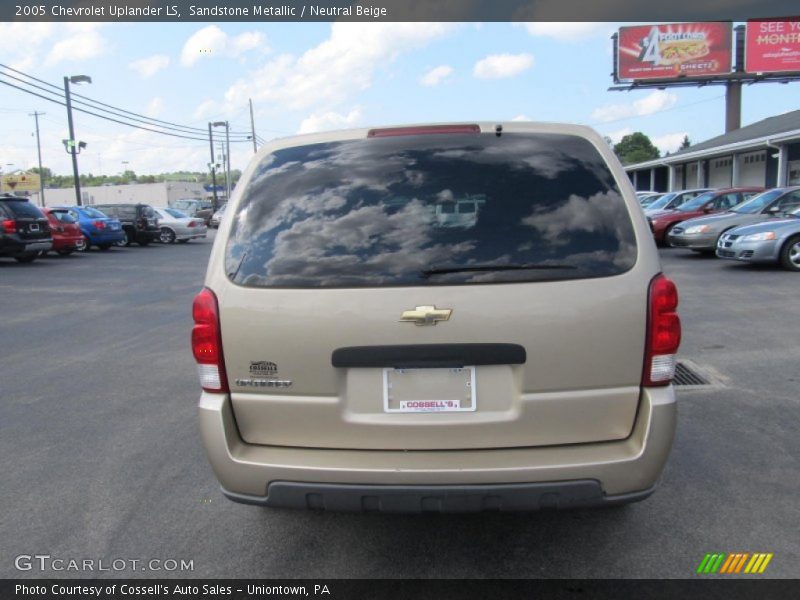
(392, 10)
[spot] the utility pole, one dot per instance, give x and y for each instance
(72, 142)
(228, 162)
(35, 115)
(252, 126)
(213, 167)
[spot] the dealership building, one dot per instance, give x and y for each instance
(765, 153)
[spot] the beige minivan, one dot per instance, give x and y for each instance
(456, 317)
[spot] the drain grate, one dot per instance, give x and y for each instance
(684, 375)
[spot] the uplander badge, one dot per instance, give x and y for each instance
(264, 374)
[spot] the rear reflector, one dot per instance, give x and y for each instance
(207, 342)
(663, 333)
(422, 130)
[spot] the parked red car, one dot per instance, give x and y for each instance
(67, 236)
(720, 200)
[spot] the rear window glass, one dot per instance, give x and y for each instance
(23, 208)
(63, 216)
(430, 210)
(94, 213)
(175, 213)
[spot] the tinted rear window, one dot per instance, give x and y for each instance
(430, 210)
(63, 216)
(96, 214)
(23, 208)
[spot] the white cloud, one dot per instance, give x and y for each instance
(147, 67)
(498, 66)
(616, 136)
(84, 42)
(522, 118)
(436, 75)
(155, 107)
(567, 32)
(329, 120)
(338, 68)
(652, 103)
(205, 109)
(669, 142)
(212, 41)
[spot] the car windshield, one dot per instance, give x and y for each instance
(647, 201)
(427, 210)
(758, 203)
(697, 203)
(661, 202)
(175, 213)
(94, 213)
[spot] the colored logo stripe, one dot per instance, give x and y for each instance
(734, 563)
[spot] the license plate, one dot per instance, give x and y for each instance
(114, 227)
(429, 390)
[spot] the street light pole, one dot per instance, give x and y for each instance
(72, 142)
(39, 152)
(213, 166)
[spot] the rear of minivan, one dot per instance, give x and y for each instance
(436, 318)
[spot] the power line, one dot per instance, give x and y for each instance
(152, 120)
(106, 117)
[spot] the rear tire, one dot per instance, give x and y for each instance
(27, 258)
(167, 236)
(104, 246)
(183, 241)
(86, 244)
(790, 254)
(65, 252)
(126, 239)
(143, 242)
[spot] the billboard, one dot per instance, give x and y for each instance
(19, 182)
(674, 50)
(772, 46)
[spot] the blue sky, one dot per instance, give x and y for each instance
(306, 77)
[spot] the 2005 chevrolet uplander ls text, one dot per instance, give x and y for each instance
(436, 318)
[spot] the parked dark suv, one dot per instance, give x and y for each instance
(139, 222)
(24, 230)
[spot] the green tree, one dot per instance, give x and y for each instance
(685, 143)
(635, 147)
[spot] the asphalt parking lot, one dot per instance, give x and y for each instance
(102, 459)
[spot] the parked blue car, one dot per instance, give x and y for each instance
(97, 228)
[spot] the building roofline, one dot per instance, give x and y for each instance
(715, 151)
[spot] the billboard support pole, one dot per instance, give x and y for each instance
(733, 106)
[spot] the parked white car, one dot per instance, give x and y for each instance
(177, 226)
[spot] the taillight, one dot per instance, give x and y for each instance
(192, 223)
(663, 333)
(207, 342)
(9, 226)
(99, 225)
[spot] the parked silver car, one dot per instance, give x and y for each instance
(177, 226)
(702, 234)
(770, 242)
(216, 218)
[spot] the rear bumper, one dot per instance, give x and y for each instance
(439, 499)
(508, 479)
(21, 247)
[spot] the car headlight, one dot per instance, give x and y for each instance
(698, 229)
(759, 237)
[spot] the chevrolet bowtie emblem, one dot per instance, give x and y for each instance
(425, 315)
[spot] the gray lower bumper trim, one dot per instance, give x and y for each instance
(437, 499)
